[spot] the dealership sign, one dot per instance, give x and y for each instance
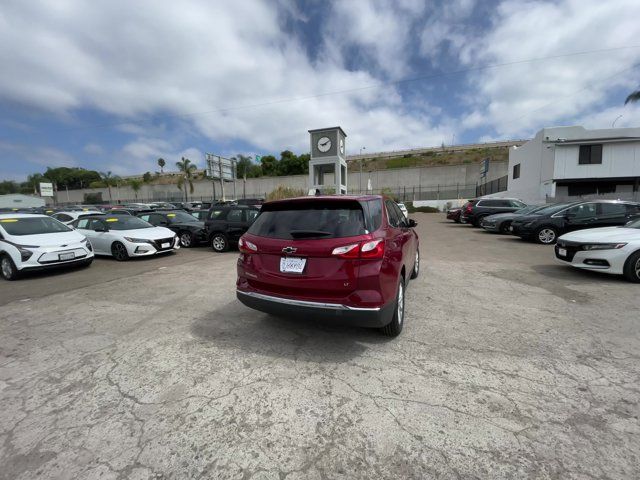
(46, 189)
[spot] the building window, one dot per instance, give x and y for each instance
(590, 154)
(516, 171)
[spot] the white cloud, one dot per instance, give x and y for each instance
(93, 149)
(41, 156)
(520, 99)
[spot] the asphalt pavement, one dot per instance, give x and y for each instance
(510, 366)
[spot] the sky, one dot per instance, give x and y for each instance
(114, 85)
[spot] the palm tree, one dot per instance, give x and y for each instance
(633, 97)
(161, 164)
(186, 169)
(110, 181)
(135, 185)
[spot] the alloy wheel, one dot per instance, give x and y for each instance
(637, 269)
(218, 243)
(7, 271)
(546, 235)
(185, 239)
(119, 251)
(416, 268)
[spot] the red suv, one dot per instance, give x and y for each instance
(342, 257)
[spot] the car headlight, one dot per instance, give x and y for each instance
(88, 244)
(25, 254)
(603, 246)
(137, 240)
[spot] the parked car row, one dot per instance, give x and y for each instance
(601, 235)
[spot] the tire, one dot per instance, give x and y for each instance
(394, 327)
(187, 239)
(504, 228)
(546, 235)
(631, 269)
(119, 252)
(416, 266)
(219, 242)
(8, 269)
(476, 221)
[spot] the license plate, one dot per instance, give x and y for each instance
(292, 264)
(562, 252)
(66, 256)
(165, 245)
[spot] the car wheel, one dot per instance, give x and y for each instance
(119, 252)
(632, 268)
(8, 268)
(394, 327)
(187, 239)
(504, 228)
(546, 235)
(219, 242)
(416, 266)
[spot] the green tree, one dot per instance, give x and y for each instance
(161, 164)
(146, 178)
(291, 164)
(243, 165)
(187, 170)
(8, 186)
(135, 185)
(269, 165)
(110, 181)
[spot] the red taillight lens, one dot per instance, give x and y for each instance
(370, 249)
(245, 246)
(348, 251)
(468, 209)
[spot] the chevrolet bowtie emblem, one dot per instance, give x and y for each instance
(289, 250)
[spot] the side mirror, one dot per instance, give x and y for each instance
(411, 223)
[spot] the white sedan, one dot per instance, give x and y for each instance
(614, 250)
(126, 236)
(35, 242)
(69, 217)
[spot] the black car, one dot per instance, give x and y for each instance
(226, 224)
(500, 222)
(189, 229)
(546, 225)
(473, 213)
(128, 211)
(200, 215)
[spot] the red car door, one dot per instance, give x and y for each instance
(400, 243)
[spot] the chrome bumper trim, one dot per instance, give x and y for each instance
(303, 303)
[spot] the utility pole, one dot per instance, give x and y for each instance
(360, 178)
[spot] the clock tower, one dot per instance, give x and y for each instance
(328, 164)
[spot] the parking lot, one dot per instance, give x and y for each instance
(509, 366)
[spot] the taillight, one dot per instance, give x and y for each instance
(245, 246)
(469, 208)
(370, 249)
(348, 251)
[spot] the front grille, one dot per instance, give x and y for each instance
(571, 247)
(158, 243)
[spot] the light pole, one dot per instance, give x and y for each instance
(360, 178)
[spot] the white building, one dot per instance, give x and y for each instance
(567, 163)
(17, 200)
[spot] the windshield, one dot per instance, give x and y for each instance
(633, 224)
(551, 209)
(32, 226)
(310, 220)
(181, 217)
(125, 222)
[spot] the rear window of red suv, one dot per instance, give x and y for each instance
(312, 219)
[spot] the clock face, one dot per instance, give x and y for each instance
(324, 144)
(342, 146)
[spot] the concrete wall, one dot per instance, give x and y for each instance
(426, 178)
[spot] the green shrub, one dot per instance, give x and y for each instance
(412, 209)
(282, 191)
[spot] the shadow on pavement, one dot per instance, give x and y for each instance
(241, 329)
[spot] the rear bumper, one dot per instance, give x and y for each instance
(286, 307)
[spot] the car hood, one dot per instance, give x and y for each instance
(603, 235)
(525, 218)
(48, 239)
(154, 233)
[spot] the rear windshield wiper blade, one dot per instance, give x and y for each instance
(309, 233)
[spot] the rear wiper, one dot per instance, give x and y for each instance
(309, 233)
